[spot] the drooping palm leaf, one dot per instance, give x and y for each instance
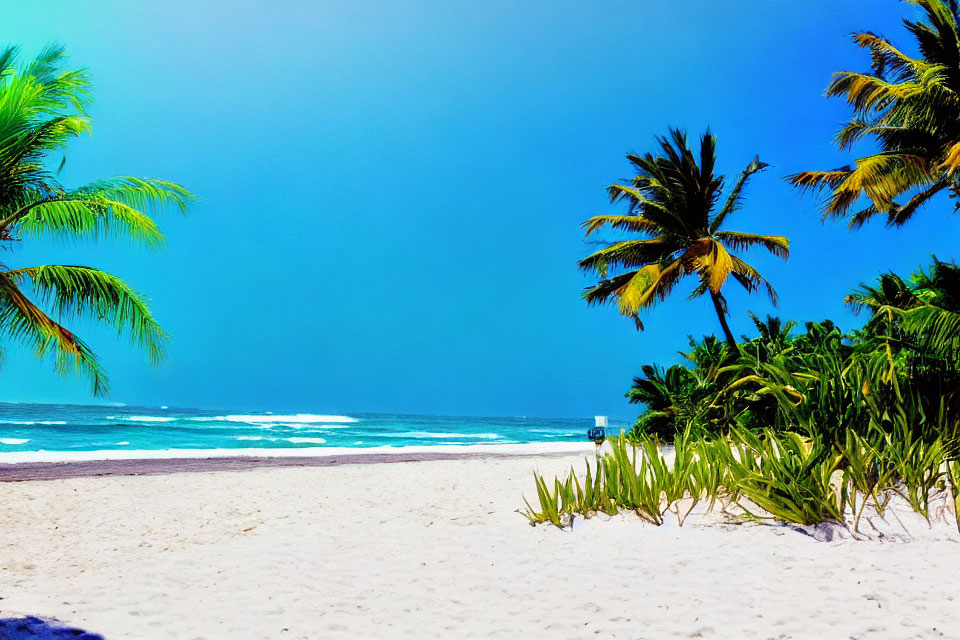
(43, 106)
(76, 291)
(910, 109)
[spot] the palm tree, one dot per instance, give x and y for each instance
(42, 106)
(910, 110)
(673, 201)
(922, 314)
(674, 399)
(708, 355)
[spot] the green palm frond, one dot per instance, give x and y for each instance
(87, 218)
(43, 106)
(891, 290)
(628, 253)
(636, 223)
(735, 199)
(777, 245)
(23, 322)
(102, 209)
(75, 291)
(909, 108)
(751, 279)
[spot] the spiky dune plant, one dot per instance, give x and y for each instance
(917, 465)
(909, 108)
(787, 476)
(769, 476)
(43, 105)
(673, 201)
(953, 477)
(864, 475)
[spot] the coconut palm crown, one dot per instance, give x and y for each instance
(42, 107)
(909, 109)
(673, 202)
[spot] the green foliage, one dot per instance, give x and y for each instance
(43, 105)
(917, 465)
(896, 374)
(802, 425)
(787, 476)
(783, 476)
(909, 110)
(674, 398)
(953, 477)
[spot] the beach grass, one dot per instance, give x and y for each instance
(763, 476)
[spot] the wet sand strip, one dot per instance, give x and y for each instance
(27, 471)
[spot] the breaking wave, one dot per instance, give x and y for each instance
(431, 434)
(300, 418)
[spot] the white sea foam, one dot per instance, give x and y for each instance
(249, 438)
(307, 440)
(141, 418)
(122, 443)
(559, 432)
(29, 422)
(431, 434)
(14, 440)
(300, 418)
(284, 425)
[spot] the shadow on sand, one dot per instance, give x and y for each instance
(33, 628)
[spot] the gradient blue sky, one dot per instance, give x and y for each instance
(391, 191)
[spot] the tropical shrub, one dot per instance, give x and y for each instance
(901, 371)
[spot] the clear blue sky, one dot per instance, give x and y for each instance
(391, 191)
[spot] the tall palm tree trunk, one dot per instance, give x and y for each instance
(723, 320)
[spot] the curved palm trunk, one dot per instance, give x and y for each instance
(723, 320)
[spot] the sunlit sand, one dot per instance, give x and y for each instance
(437, 549)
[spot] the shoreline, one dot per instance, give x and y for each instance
(60, 465)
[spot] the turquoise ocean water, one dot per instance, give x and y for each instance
(72, 428)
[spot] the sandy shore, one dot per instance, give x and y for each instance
(58, 465)
(430, 549)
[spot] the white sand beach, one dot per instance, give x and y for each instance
(435, 549)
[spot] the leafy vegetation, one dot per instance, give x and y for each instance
(909, 109)
(806, 424)
(782, 476)
(900, 373)
(43, 105)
